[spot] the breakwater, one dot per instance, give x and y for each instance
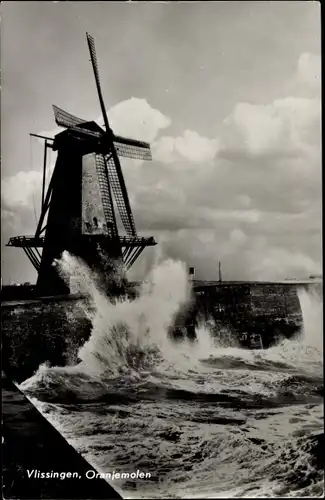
(255, 314)
(271, 310)
(51, 330)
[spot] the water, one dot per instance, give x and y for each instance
(206, 420)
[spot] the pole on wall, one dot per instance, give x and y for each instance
(220, 274)
(191, 273)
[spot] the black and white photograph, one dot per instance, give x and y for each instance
(161, 250)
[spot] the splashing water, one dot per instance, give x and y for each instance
(312, 311)
(130, 336)
(206, 418)
(138, 324)
(305, 352)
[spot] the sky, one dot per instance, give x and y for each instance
(227, 93)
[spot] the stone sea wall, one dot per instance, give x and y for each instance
(53, 331)
(270, 310)
(33, 334)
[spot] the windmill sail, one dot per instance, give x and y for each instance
(113, 162)
(121, 201)
(92, 50)
(97, 207)
(106, 195)
(86, 131)
(65, 119)
(130, 148)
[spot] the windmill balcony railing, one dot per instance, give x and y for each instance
(125, 241)
(25, 241)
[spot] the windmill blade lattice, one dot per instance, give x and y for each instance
(106, 194)
(125, 213)
(65, 119)
(130, 148)
(86, 131)
(91, 45)
(92, 50)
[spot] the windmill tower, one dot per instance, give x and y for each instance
(78, 213)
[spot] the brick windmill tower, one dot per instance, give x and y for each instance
(85, 191)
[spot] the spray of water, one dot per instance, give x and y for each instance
(129, 337)
(305, 352)
(312, 311)
(125, 332)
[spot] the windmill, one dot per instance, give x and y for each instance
(78, 213)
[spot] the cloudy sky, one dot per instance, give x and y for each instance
(228, 94)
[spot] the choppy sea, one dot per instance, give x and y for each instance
(206, 419)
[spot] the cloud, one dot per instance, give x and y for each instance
(237, 236)
(242, 257)
(284, 125)
(287, 125)
(279, 263)
(250, 197)
(309, 70)
(18, 190)
(190, 146)
(244, 200)
(135, 118)
(7, 217)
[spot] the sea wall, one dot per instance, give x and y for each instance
(52, 331)
(253, 299)
(242, 300)
(36, 333)
(269, 310)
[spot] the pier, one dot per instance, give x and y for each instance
(31, 443)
